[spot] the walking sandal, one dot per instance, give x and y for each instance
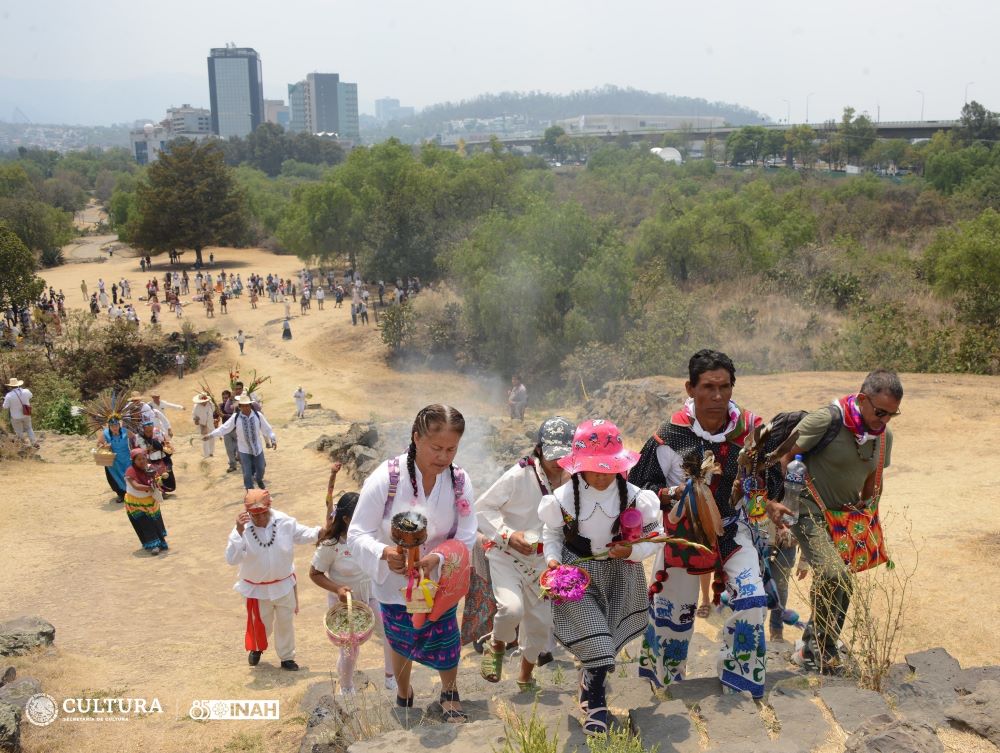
(528, 686)
(491, 666)
(452, 716)
(596, 722)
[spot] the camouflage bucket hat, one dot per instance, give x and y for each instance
(555, 436)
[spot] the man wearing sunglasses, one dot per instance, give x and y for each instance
(844, 475)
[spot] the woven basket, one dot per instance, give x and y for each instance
(338, 638)
(544, 577)
(104, 457)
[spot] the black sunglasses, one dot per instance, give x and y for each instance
(881, 412)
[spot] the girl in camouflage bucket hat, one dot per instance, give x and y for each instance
(507, 514)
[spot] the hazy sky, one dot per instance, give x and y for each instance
(872, 54)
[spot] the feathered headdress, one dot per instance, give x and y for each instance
(111, 406)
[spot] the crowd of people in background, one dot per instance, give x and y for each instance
(215, 292)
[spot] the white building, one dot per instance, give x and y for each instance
(147, 142)
(184, 122)
(190, 121)
(637, 123)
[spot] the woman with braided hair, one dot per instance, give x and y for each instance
(423, 480)
(581, 519)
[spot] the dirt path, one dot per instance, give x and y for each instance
(172, 628)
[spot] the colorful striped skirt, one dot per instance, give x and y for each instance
(144, 515)
(437, 644)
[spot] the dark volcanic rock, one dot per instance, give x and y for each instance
(733, 720)
(885, 734)
(668, 725)
(21, 635)
(18, 692)
(980, 710)
(10, 728)
(851, 706)
(802, 722)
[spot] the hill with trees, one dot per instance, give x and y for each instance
(535, 110)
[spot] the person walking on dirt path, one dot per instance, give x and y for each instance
(844, 476)
(267, 575)
(249, 426)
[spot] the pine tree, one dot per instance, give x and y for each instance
(189, 200)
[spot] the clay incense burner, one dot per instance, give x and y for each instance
(409, 530)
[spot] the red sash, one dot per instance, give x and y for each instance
(256, 635)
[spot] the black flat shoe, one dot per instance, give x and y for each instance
(544, 658)
(405, 703)
(290, 665)
(452, 716)
(254, 658)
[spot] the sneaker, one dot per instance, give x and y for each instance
(290, 665)
(346, 692)
(154, 551)
(390, 683)
(801, 658)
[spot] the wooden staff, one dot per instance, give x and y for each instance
(334, 468)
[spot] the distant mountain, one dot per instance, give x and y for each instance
(98, 102)
(606, 100)
(534, 110)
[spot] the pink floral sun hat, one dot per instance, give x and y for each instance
(598, 447)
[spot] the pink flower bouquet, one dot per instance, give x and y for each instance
(564, 583)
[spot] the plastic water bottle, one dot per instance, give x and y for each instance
(795, 482)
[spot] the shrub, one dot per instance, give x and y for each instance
(60, 419)
(51, 257)
(739, 319)
(395, 327)
(591, 365)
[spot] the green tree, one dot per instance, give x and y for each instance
(746, 145)
(39, 226)
(554, 142)
(979, 124)
(189, 200)
(965, 261)
(14, 182)
(266, 148)
(775, 145)
(64, 194)
(858, 133)
(801, 142)
(19, 285)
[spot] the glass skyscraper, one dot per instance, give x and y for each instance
(236, 91)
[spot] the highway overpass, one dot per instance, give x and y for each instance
(903, 129)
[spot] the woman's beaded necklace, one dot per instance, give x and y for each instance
(274, 532)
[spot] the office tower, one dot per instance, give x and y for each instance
(236, 90)
(385, 108)
(324, 93)
(322, 103)
(186, 120)
(388, 108)
(276, 111)
(347, 111)
(298, 108)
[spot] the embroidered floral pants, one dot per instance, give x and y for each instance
(743, 655)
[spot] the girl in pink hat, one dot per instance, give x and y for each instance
(581, 519)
